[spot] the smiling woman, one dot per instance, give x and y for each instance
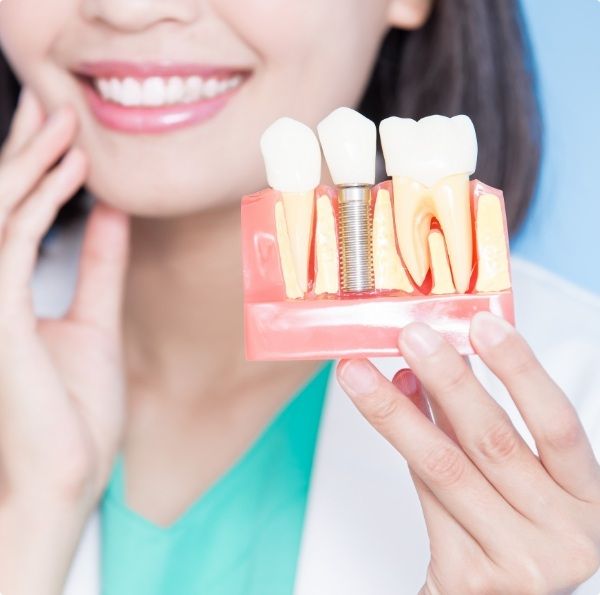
(134, 404)
(266, 70)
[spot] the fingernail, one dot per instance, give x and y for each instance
(359, 376)
(489, 330)
(406, 382)
(421, 340)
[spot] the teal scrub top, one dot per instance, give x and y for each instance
(242, 536)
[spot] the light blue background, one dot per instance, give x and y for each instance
(562, 231)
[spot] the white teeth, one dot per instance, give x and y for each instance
(115, 89)
(131, 92)
(428, 150)
(349, 145)
(211, 88)
(192, 89)
(103, 87)
(156, 91)
(175, 89)
(292, 156)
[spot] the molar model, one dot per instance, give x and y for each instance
(337, 271)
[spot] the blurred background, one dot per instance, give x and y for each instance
(562, 232)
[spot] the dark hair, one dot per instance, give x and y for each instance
(470, 57)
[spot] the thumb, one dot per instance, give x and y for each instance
(103, 263)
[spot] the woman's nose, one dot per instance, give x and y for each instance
(136, 15)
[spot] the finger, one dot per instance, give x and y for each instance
(408, 384)
(560, 438)
(441, 464)
(103, 262)
(446, 536)
(448, 539)
(18, 252)
(28, 119)
(21, 173)
(483, 429)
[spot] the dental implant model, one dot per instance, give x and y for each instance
(337, 271)
(349, 142)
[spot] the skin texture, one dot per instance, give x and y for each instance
(157, 313)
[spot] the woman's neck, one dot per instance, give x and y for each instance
(195, 403)
(183, 308)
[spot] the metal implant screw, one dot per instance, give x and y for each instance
(355, 230)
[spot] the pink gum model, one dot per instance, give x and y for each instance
(335, 326)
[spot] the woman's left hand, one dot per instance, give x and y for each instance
(499, 518)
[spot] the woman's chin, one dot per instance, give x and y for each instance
(158, 200)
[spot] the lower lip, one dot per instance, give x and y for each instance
(142, 120)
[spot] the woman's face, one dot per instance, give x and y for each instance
(196, 146)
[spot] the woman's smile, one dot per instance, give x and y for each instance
(148, 97)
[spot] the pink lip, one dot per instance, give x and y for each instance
(153, 119)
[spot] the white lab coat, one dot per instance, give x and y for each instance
(364, 532)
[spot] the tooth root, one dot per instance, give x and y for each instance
(292, 288)
(299, 208)
(452, 205)
(327, 278)
(387, 266)
(413, 213)
(492, 252)
(440, 267)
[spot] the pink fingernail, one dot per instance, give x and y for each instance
(421, 340)
(359, 376)
(489, 330)
(406, 382)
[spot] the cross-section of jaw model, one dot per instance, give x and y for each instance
(337, 271)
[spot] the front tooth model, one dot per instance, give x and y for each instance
(430, 162)
(349, 143)
(293, 162)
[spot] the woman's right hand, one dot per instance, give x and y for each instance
(61, 380)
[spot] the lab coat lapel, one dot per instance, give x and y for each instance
(364, 530)
(84, 577)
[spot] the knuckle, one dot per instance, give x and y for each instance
(500, 442)
(454, 379)
(581, 556)
(383, 410)
(566, 432)
(478, 582)
(522, 360)
(444, 465)
(21, 229)
(531, 579)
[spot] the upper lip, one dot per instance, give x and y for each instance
(121, 69)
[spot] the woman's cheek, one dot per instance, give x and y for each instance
(280, 30)
(29, 43)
